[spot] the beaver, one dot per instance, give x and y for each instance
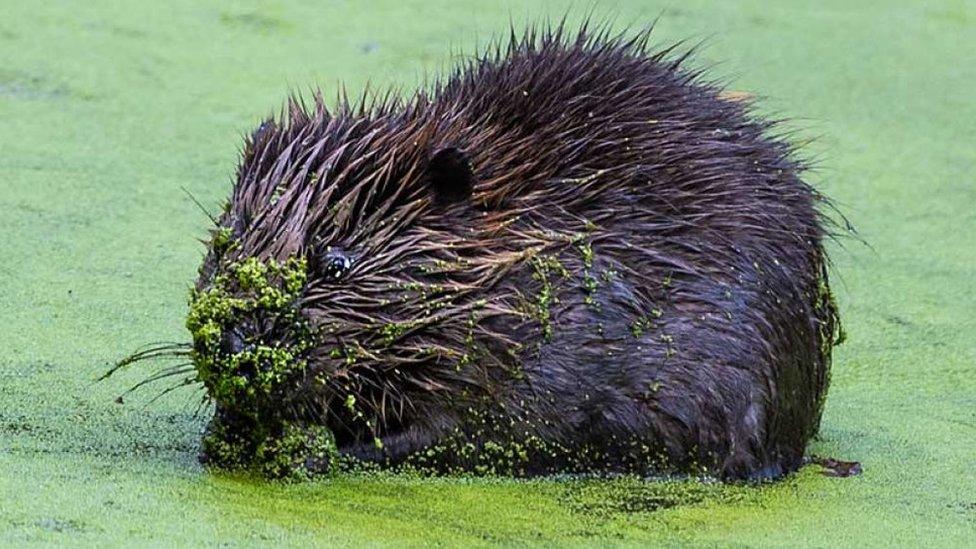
(572, 254)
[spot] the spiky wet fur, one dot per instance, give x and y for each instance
(637, 282)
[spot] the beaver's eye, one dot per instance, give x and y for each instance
(335, 264)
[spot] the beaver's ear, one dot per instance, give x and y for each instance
(450, 176)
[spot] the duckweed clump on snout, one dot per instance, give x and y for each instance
(246, 292)
(244, 384)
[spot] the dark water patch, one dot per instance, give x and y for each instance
(965, 508)
(60, 525)
(759, 20)
(607, 498)
(898, 321)
(20, 425)
(253, 21)
(20, 85)
(970, 510)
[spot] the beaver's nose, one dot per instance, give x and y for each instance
(231, 342)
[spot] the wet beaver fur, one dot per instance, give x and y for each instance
(572, 255)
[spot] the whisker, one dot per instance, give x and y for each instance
(199, 205)
(161, 375)
(186, 381)
(162, 350)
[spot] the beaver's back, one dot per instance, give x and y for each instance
(702, 322)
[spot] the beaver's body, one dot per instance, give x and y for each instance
(571, 256)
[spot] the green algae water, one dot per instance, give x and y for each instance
(109, 110)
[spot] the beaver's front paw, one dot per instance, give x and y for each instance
(298, 453)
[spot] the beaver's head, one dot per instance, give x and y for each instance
(339, 279)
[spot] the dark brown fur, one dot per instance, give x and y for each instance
(703, 345)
